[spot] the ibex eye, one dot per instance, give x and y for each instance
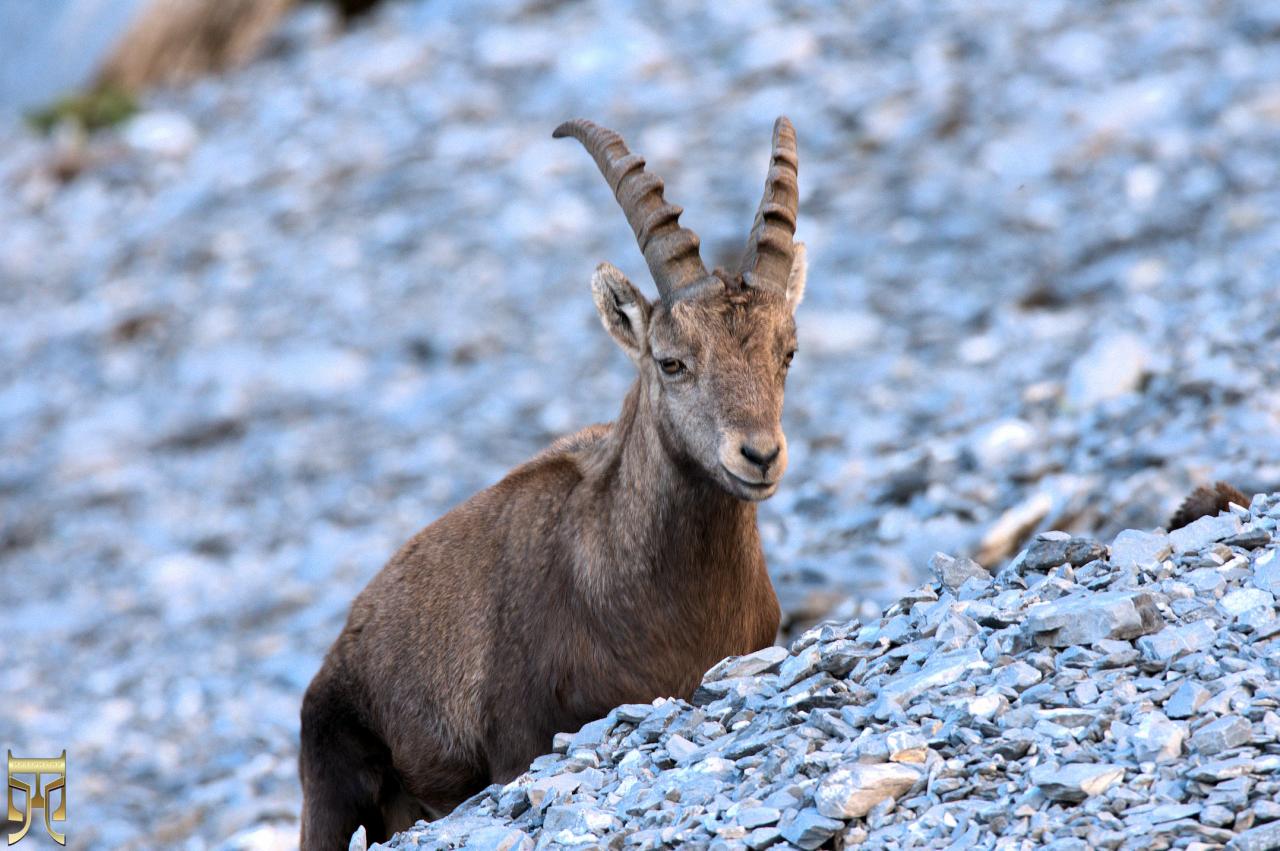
(671, 366)
(791, 355)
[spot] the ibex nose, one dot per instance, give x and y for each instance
(762, 458)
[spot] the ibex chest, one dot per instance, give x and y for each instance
(645, 646)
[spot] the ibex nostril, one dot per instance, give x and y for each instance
(760, 459)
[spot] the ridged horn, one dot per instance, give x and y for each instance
(767, 262)
(670, 250)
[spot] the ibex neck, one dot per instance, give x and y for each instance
(674, 516)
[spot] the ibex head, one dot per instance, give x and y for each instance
(714, 348)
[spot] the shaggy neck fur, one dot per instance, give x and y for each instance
(661, 515)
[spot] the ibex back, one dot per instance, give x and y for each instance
(616, 566)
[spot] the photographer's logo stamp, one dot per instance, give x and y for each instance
(37, 789)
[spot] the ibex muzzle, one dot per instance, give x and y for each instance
(616, 566)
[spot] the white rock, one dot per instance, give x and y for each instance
(1111, 367)
(852, 792)
(941, 669)
(988, 704)
(161, 133)
(1157, 739)
(998, 443)
(1236, 603)
(750, 665)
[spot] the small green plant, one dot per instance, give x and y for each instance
(99, 107)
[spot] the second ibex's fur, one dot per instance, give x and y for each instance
(1206, 501)
(617, 566)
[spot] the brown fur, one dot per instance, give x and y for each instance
(616, 566)
(175, 41)
(1207, 501)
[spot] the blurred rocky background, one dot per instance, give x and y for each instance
(263, 324)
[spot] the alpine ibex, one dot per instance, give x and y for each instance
(616, 566)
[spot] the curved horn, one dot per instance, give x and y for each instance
(670, 250)
(769, 248)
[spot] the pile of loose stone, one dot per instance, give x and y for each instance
(1085, 696)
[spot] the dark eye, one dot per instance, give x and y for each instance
(671, 366)
(790, 356)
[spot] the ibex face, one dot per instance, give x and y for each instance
(713, 350)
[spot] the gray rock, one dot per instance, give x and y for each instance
(1265, 837)
(762, 837)
(591, 734)
(1132, 548)
(753, 817)
(1011, 527)
(1088, 618)
(810, 829)
(1076, 781)
(1267, 810)
(1217, 815)
(1267, 576)
(556, 784)
(633, 713)
(954, 572)
(1157, 739)
(1046, 552)
(1222, 769)
(1186, 700)
(1230, 731)
(513, 801)
(1171, 642)
(798, 667)
(753, 664)
(1017, 675)
(939, 670)
(1207, 580)
(577, 818)
(1172, 812)
(1249, 538)
(1204, 531)
(680, 748)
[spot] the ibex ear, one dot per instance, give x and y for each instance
(795, 281)
(624, 311)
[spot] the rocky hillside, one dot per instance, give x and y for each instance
(259, 335)
(1086, 696)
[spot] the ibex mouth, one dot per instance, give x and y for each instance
(754, 490)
